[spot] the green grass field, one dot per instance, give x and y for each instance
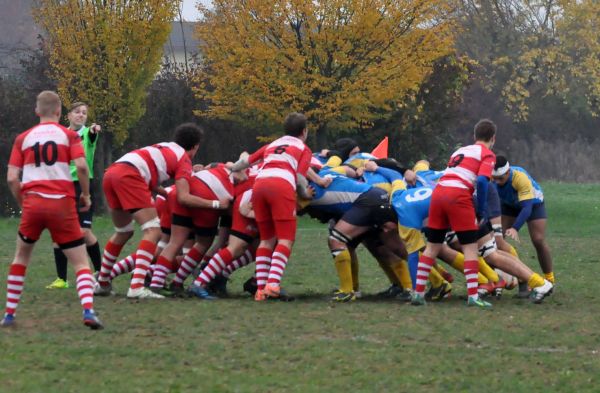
(312, 345)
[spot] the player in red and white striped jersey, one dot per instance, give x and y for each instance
(47, 197)
(240, 247)
(452, 207)
(128, 185)
(215, 187)
(285, 163)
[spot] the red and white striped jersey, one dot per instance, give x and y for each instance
(159, 163)
(466, 164)
(219, 179)
(44, 153)
(242, 187)
(284, 158)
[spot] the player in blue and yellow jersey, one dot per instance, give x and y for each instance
(363, 214)
(523, 201)
(425, 176)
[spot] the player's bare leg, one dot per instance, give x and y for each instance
(537, 233)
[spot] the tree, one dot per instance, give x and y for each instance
(344, 63)
(106, 53)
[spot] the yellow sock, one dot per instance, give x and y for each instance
(354, 266)
(535, 281)
(389, 272)
(440, 268)
(459, 262)
(513, 251)
(549, 277)
(435, 278)
(481, 279)
(402, 273)
(343, 265)
(487, 271)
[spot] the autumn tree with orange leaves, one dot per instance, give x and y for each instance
(344, 63)
(106, 53)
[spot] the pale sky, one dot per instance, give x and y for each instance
(190, 13)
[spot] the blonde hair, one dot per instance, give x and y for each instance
(47, 103)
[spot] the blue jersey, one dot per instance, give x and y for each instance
(412, 206)
(520, 187)
(428, 178)
(340, 195)
(322, 160)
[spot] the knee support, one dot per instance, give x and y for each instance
(154, 223)
(126, 228)
(336, 235)
(450, 237)
(497, 228)
(161, 244)
(487, 248)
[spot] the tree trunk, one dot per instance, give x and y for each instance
(103, 159)
(321, 138)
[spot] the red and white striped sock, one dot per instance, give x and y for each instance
(471, 272)
(109, 257)
(279, 261)
(14, 287)
(263, 265)
(423, 270)
(236, 264)
(85, 288)
(215, 266)
(123, 266)
(162, 268)
(143, 259)
(189, 263)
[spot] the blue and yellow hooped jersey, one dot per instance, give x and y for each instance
(520, 187)
(340, 195)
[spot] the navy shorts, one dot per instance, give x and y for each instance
(538, 211)
(365, 211)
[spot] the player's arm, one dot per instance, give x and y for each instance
(524, 188)
(247, 160)
(83, 174)
(185, 198)
(314, 177)
(393, 177)
(483, 178)
(13, 178)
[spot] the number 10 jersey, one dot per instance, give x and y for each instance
(44, 153)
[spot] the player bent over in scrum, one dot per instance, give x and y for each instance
(47, 197)
(128, 186)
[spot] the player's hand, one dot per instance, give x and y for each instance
(360, 171)
(95, 128)
(410, 177)
(324, 182)
(197, 168)
(513, 234)
(246, 210)
(85, 202)
(311, 191)
(371, 166)
(224, 204)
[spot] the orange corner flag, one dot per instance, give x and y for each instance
(381, 151)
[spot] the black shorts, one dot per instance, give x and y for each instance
(484, 229)
(371, 209)
(538, 211)
(85, 218)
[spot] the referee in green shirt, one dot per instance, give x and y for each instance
(89, 138)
